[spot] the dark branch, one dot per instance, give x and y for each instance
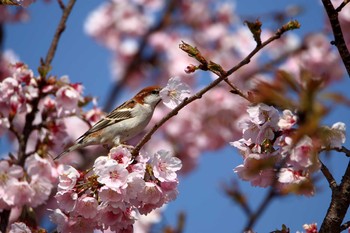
(331, 181)
(339, 205)
(341, 6)
(339, 41)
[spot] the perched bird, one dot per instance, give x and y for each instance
(123, 123)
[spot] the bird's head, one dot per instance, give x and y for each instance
(149, 95)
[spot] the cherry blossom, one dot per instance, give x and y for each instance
(87, 207)
(68, 178)
(287, 120)
(121, 155)
(67, 200)
(165, 166)
(174, 93)
(112, 174)
(67, 100)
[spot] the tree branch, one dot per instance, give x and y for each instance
(339, 41)
(60, 28)
(222, 76)
(331, 181)
(339, 205)
(341, 6)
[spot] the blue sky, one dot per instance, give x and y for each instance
(201, 193)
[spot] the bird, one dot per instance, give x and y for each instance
(123, 123)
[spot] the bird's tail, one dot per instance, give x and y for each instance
(70, 149)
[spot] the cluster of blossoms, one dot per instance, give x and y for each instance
(270, 155)
(55, 99)
(115, 192)
(29, 186)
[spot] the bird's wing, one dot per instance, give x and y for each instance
(117, 115)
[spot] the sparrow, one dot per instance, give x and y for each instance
(123, 123)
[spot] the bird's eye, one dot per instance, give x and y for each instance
(155, 92)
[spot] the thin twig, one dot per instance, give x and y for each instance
(339, 41)
(60, 28)
(344, 150)
(200, 93)
(236, 90)
(341, 6)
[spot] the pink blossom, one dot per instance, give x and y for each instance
(112, 174)
(245, 147)
(290, 176)
(9, 175)
(251, 171)
(19, 193)
(68, 178)
(109, 195)
(121, 154)
(67, 100)
(19, 227)
(303, 154)
(67, 200)
(262, 113)
(287, 120)
(169, 189)
(35, 165)
(87, 207)
(110, 216)
(165, 165)
(9, 172)
(71, 223)
(151, 194)
(261, 123)
(136, 185)
(42, 187)
(175, 92)
(12, 96)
